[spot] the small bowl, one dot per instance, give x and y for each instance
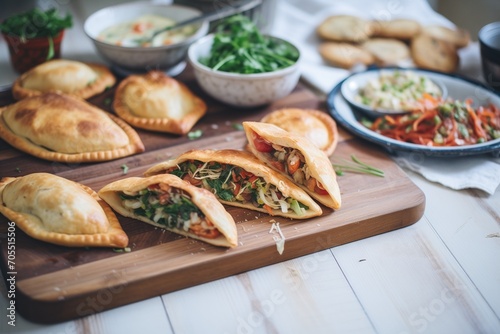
(351, 86)
(489, 41)
(142, 58)
(242, 90)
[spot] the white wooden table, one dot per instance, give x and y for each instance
(440, 275)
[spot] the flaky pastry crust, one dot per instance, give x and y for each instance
(76, 78)
(59, 211)
(315, 125)
(317, 161)
(157, 102)
(202, 198)
(251, 164)
(64, 128)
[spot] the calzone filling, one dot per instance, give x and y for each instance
(234, 184)
(290, 161)
(171, 207)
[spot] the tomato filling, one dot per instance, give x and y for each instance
(290, 161)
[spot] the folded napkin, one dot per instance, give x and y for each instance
(297, 22)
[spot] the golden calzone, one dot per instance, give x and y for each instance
(155, 101)
(59, 211)
(316, 125)
(63, 128)
(64, 76)
(297, 158)
(239, 179)
(168, 202)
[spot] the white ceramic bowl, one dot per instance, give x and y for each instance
(241, 90)
(352, 85)
(142, 58)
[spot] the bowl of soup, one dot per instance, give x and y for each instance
(122, 35)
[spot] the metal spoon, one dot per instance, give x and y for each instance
(211, 16)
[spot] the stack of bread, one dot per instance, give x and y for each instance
(348, 40)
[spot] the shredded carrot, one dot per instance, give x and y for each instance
(440, 122)
(424, 116)
(476, 122)
(235, 177)
(430, 101)
(269, 209)
(237, 188)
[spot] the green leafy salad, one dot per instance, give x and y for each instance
(239, 47)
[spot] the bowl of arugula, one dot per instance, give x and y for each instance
(34, 37)
(239, 66)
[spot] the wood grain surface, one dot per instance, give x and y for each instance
(56, 283)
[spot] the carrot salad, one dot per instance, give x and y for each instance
(441, 123)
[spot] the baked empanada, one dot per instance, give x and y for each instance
(317, 126)
(64, 76)
(155, 101)
(168, 202)
(297, 158)
(59, 211)
(239, 179)
(64, 128)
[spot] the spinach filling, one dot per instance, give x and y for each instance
(171, 209)
(231, 183)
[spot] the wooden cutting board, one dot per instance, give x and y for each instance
(55, 283)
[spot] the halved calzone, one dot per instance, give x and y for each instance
(64, 128)
(59, 211)
(297, 158)
(64, 76)
(317, 126)
(155, 101)
(168, 202)
(239, 179)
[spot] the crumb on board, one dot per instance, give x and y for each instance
(279, 239)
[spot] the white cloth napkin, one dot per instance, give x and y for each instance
(297, 22)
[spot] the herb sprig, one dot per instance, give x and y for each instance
(239, 47)
(192, 135)
(36, 23)
(357, 166)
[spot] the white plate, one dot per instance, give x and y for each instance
(351, 86)
(459, 88)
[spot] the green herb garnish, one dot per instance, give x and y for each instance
(51, 52)
(195, 134)
(124, 169)
(122, 250)
(239, 47)
(36, 23)
(238, 126)
(357, 167)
